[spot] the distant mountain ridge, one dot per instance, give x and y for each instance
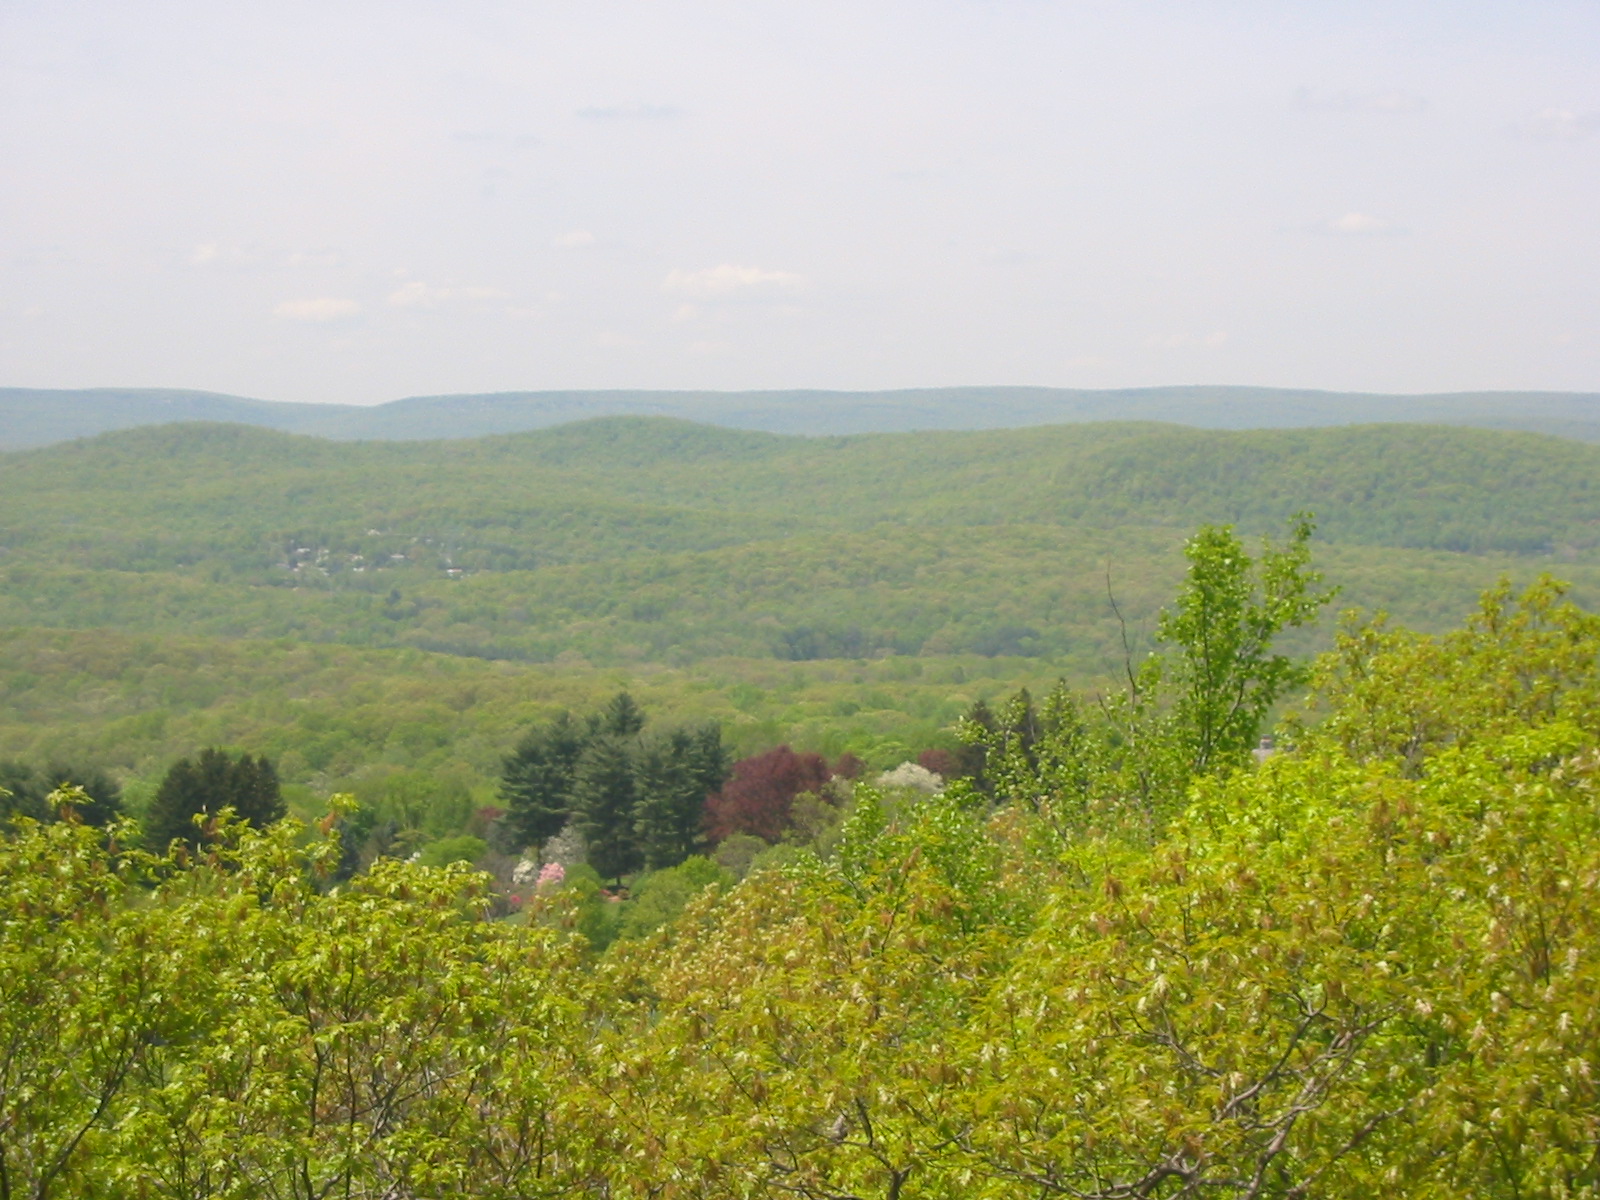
(32, 417)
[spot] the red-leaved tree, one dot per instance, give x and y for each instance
(848, 766)
(759, 793)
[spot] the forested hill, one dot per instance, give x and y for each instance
(36, 417)
(166, 587)
(238, 497)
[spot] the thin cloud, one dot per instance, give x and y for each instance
(314, 258)
(41, 256)
(1359, 224)
(219, 255)
(416, 294)
(1558, 125)
(319, 309)
(487, 137)
(631, 112)
(573, 239)
(1188, 341)
(729, 279)
(1393, 103)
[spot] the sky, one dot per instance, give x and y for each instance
(357, 201)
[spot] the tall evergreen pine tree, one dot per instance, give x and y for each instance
(536, 779)
(637, 802)
(604, 798)
(206, 785)
(623, 717)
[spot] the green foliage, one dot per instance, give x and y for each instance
(601, 489)
(32, 417)
(621, 718)
(1518, 660)
(659, 898)
(204, 787)
(464, 849)
(738, 854)
(1326, 980)
(346, 719)
(1228, 615)
(1127, 763)
(1365, 966)
(380, 1037)
(588, 909)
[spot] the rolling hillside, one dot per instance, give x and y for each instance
(234, 497)
(37, 417)
(168, 585)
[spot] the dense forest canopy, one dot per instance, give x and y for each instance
(633, 540)
(1364, 964)
(372, 614)
(682, 812)
(234, 496)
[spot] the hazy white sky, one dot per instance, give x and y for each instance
(352, 201)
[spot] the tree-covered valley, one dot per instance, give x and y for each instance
(371, 607)
(635, 808)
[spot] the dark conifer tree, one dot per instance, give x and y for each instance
(637, 802)
(206, 785)
(971, 758)
(178, 800)
(659, 775)
(675, 776)
(104, 796)
(536, 780)
(254, 792)
(709, 763)
(605, 797)
(21, 794)
(622, 716)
